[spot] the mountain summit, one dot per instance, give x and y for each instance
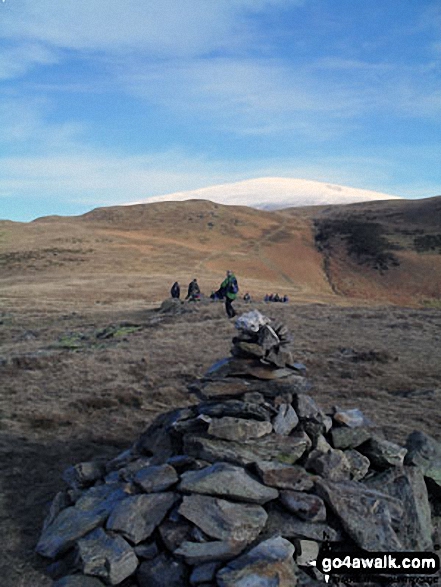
(275, 193)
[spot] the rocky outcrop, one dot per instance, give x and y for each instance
(244, 487)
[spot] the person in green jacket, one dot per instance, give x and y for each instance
(229, 289)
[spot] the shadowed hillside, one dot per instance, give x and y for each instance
(388, 251)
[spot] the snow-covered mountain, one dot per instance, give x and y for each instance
(275, 193)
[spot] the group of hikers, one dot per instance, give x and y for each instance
(275, 298)
(227, 291)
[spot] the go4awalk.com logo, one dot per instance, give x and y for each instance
(356, 565)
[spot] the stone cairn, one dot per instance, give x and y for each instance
(244, 488)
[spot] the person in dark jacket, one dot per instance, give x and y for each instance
(175, 291)
(230, 289)
(194, 292)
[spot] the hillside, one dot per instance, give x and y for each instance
(382, 251)
(275, 193)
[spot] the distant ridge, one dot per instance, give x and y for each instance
(275, 193)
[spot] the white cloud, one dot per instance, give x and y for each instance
(16, 60)
(164, 27)
(24, 122)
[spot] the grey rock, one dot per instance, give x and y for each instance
(226, 480)
(406, 484)
(267, 337)
(364, 514)
(358, 463)
(78, 581)
(333, 465)
(307, 409)
(102, 497)
(198, 424)
(174, 532)
(254, 397)
(290, 526)
(224, 520)
(130, 469)
(285, 449)
(162, 571)
(284, 476)
(238, 429)
(247, 349)
(196, 553)
(425, 452)
(112, 559)
(84, 474)
(137, 516)
(220, 388)
(286, 420)
(343, 437)
(269, 564)
(60, 502)
(156, 478)
(304, 505)
(204, 573)
(320, 445)
(352, 418)
(76, 521)
(422, 449)
(383, 453)
(147, 550)
(157, 442)
(235, 408)
(279, 356)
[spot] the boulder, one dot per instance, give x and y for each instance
(268, 564)
(238, 429)
(223, 520)
(110, 558)
(229, 481)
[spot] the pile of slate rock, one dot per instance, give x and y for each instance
(244, 488)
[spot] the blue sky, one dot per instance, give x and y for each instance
(106, 102)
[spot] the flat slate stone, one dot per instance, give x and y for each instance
(103, 556)
(196, 553)
(238, 429)
(156, 478)
(76, 521)
(290, 526)
(407, 485)
(226, 480)
(222, 519)
(137, 516)
(284, 476)
(269, 564)
(235, 408)
(364, 514)
(343, 437)
(285, 449)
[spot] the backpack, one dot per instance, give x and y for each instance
(233, 286)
